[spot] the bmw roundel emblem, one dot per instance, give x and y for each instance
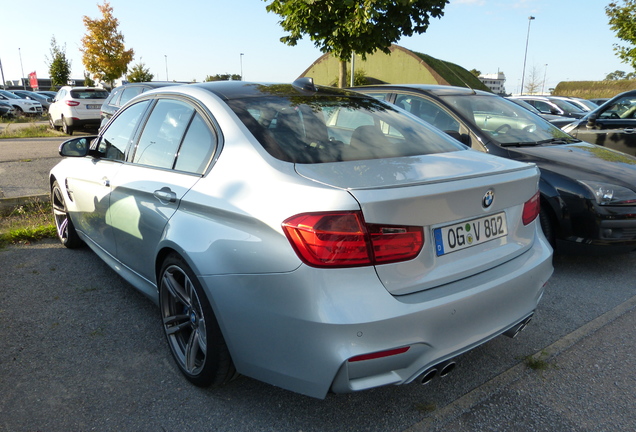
(488, 198)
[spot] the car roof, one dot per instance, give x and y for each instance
(436, 89)
(152, 84)
(241, 89)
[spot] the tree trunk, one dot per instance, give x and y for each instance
(342, 74)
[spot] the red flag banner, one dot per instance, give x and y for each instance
(33, 80)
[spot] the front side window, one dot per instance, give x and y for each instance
(120, 132)
(428, 111)
(623, 108)
(503, 120)
(162, 135)
(320, 129)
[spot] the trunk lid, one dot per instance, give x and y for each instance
(451, 192)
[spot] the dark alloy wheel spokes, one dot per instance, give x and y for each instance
(183, 320)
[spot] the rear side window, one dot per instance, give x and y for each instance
(162, 135)
(197, 147)
(319, 129)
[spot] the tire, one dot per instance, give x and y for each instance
(190, 326)
(64, 226)
(547, 226)
(17, 111)
(52, 123)
(66, 128)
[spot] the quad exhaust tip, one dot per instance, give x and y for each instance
(518, 328)
(441, 370)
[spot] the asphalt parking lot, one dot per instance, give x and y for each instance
(82, 350)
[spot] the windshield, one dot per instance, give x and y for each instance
(504, 121)
(589, 104)
(9, 95)
(319, 129)
(566, 106)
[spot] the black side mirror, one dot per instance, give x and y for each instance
(591, 121)
(76, 147)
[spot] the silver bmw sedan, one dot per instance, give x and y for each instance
(312, 238)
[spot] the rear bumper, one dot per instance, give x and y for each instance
(299, 330)
(78, 123)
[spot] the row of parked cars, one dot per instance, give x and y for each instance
(18, 102)
(326, 240)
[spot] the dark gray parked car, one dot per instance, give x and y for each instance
(120, 95)
(45, 101)
(612, 125)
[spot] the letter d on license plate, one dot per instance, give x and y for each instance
(463, 235)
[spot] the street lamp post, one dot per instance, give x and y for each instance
(2, 73)
(22, 68)
(241, 58)
(166, 57)
(545, 72)
(523, 75)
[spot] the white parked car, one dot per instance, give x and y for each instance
(21, 106)
(305, 236)
(76, 107)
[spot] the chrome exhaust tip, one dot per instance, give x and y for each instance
(518, 328)
(428, 376)
(446, 368)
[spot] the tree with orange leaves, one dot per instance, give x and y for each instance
(104, 53)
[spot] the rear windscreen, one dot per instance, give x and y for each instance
(318, 129)
(89, 94)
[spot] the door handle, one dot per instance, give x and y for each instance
(165, 195)
(105, 182)
(629, 130)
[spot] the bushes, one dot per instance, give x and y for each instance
(593, 89)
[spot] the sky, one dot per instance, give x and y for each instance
(569, 40)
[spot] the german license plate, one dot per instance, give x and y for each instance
(93, 106)
(463, 235)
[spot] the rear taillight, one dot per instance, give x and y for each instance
(531, 209)
(343, 239)
(72, 103)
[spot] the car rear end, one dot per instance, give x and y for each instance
(386, 256)
(84, 106)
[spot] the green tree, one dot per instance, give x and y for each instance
(359, 78)
(222, 77)
(344, 27)
(622, 20)
(104, 53)
(475, 72)
(88, 81)
(139, 73)
(59, 65)
(619, 75)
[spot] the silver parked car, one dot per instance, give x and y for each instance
(312, 238)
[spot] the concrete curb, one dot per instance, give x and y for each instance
(520, 371)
